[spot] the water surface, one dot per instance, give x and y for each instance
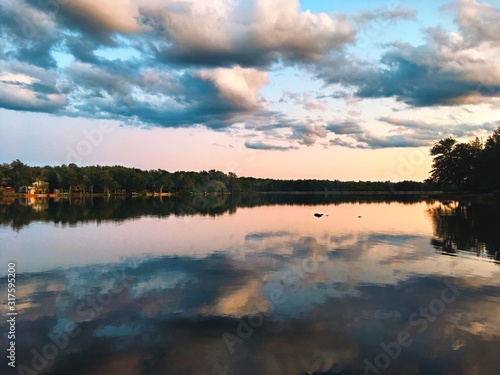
(255, 285)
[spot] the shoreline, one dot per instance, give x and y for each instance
(476, 197)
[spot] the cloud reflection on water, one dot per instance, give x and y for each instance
(329, 294)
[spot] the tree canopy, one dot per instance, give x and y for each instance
(101, 179)
(469, 166)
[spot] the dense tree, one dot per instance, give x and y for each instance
(442, 166)
(493, 140)
(455, 163)
(487, 174)
(4, 173)
(20, 174)
(111, 179)
(157, 180)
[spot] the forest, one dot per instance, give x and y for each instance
(73, 179)
(462, 167)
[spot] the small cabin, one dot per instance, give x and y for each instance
(36, 188)
(39, 187)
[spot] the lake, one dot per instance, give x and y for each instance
(253, 285)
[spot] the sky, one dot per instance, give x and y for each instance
(265, 88)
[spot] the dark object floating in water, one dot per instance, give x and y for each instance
(318, 215)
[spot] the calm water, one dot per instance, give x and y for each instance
(253, 285)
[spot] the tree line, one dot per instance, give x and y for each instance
(471, 166)
(118, 179)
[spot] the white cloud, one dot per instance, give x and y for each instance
(479, 22)
(13, 78)
(238, 85)
(308, 134)
(234, 29)
(14, 96)
(112, 15)
(281, 26)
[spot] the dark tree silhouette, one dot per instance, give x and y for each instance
(455, 163)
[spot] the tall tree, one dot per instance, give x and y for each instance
(488, 166)
(442, 166)
(455, 163)
(20, 173)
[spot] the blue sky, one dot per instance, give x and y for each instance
(268, 88)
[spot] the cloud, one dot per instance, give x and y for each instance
(404, 133)
(479, 22)
(30, 33)
(269, 31)
(282, 27)
(368, 140)
(237, 85)
(384, 15)
(433, 131)
(389, 141)
(28, 87)
(108, 16)
(346, 127)
(308, 134)
(268, 147)
(17, 96)
(212, 33)
(339, 142)
(303, 100)
(214, 98)
(449, 69)
(194, 62)
(410, 133)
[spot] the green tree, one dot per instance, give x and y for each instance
(157, 180)
(215, 186)
(69, 176)
(20, 173)
(487, 174)
(493, 140)
(4, 174)
(108, 182)
(454, 163)
(442, 166)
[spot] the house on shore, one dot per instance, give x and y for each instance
(36, 188)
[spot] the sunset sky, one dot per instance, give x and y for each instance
(349, 90)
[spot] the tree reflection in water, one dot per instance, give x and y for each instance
(470, 228)
(466, 227)
(70, 211)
